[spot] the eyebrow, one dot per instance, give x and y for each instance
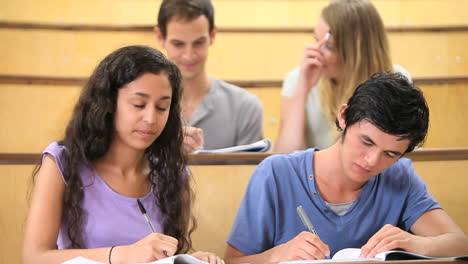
(181, 41)
(367, 138)
(165, 97)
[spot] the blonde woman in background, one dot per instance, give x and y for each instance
(351, 45)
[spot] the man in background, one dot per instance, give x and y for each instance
(226, 115)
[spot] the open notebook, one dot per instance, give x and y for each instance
(177, 259)
(260, 146)
(352, 255)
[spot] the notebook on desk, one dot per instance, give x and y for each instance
(352, 255)
(260, 146)
(177, 259)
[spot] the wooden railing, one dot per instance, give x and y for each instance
(250, 158)
(149, 28)
(78, 81)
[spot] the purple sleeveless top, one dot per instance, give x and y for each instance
(110, 219)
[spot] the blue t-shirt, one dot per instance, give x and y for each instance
(267, 215)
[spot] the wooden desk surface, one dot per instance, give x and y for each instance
(251, 158)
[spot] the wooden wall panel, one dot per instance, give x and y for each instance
(15, 182)
(271, 101)
(219, 190)
(234, 56)
(61, 53)
(448, 105)
(35, 115)
(446, 181)
(256, 13)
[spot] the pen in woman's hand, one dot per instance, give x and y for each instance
(143, 212)
(148, 221)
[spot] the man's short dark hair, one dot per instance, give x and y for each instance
(186, 10)
(393, 104)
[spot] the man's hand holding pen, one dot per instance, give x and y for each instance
(305, 246)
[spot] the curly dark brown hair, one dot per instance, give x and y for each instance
(91, 130)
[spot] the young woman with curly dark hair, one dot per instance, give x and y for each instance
(123, 143)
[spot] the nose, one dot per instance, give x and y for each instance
(188, 53)
(149, 116)
(372, 158)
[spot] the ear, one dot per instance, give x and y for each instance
(213, 35)
(341, 117)
(159, 36)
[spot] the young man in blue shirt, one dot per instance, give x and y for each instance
(358, 193)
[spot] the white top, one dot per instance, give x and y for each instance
(318, 130)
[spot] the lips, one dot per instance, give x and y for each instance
(361, 169)
(189, 65)
(146, 133)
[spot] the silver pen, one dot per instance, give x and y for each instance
(143, 212)
(305, 219)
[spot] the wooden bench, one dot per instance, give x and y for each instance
(219, 188)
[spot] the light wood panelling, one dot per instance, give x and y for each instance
(446, 181)
(35, 115)
(62, 53)
(234, 56)
(448, 105)
(219, 190)
(15, 182)
(271, 101)
(257, 13)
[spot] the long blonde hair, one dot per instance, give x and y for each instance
(360, 40)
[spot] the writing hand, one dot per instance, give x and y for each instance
(153, 247)
(304, 246)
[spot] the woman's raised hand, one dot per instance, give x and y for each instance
(311, 65)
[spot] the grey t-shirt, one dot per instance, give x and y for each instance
(229, 116)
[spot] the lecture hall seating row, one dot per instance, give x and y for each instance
(63, 40)
(219, 182)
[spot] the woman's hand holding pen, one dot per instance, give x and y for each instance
(311, 65)
(304, 246)
(153, 247)
(208, 257)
